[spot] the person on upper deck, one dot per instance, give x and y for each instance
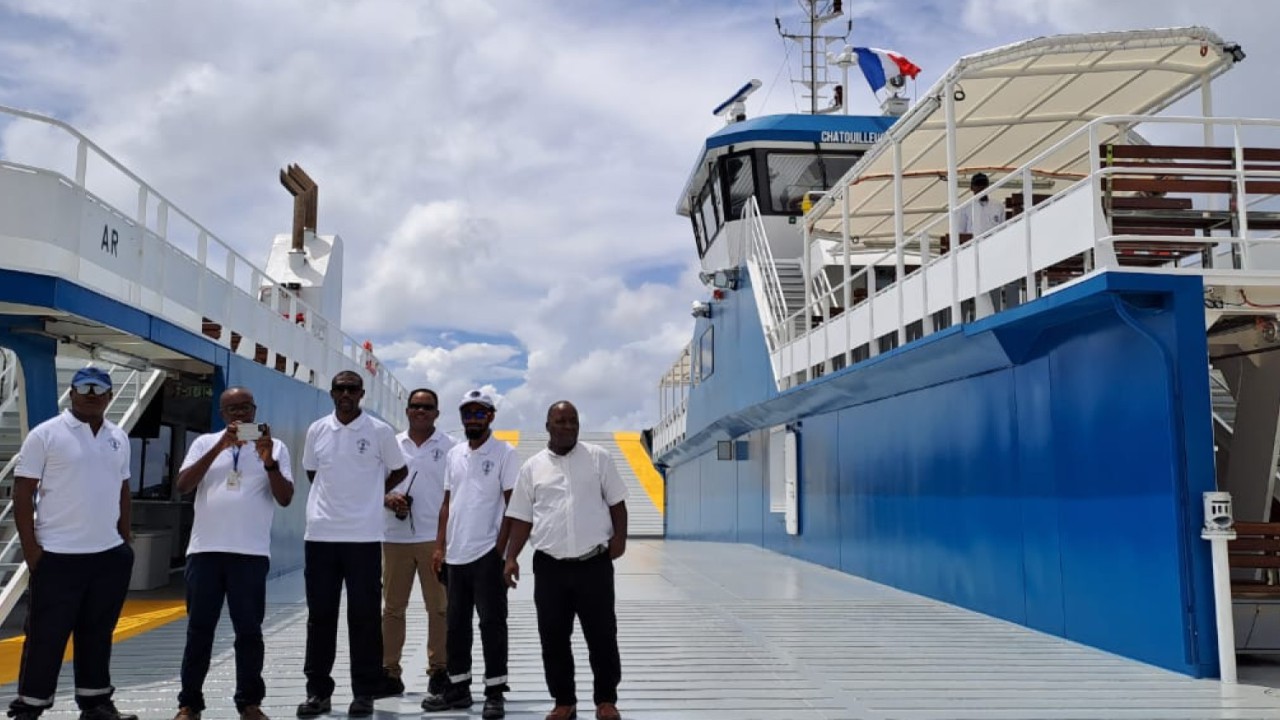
(980, 216)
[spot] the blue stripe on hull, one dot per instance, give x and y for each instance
(1044, 466)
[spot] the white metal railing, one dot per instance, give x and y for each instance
(8, 379)
(968, 271)
(766, 285)
(181, 271)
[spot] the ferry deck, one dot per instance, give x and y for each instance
(712, 631)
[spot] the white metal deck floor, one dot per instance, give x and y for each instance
(711, 631)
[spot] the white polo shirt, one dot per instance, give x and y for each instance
(980, 217)
(567, 498)
(476, 480)
(351, 463)
(234, 517)
(425, 483)
(78, 501)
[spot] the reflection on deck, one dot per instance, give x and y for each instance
(728, 631)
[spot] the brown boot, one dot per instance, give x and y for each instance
(563, 712)
(253, 712)
(186, 713)
(607, 711)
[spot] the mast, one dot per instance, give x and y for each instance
(813, 51)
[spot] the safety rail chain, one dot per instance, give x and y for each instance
(282, 321)
(799, 326)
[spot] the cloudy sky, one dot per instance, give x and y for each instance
(504, 173)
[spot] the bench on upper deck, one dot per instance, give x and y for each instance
(1257, 548)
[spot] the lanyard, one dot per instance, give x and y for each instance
(235, 459)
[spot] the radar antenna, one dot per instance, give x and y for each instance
(735, 108)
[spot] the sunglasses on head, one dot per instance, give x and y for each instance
(422, 406)
(349, 389)
(90, 389)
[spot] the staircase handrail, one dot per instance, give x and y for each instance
(761, 257)
(8, 378)
(146, 389)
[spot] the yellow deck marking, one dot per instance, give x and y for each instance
(511, 436)
(641, 465)
(137, 617)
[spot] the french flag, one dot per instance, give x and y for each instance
(880, 65)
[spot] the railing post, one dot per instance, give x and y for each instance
(1219, 529)
(82, 161)
(1241, 210)
(1027, 202)
(899, 224)
(847, 293)
(953, 198)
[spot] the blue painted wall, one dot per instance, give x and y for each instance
(1044, 466)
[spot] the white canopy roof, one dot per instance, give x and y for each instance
(1018, 101)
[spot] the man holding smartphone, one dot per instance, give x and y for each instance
(239, 475)
(414, 507)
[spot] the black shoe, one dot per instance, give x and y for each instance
(105, 711)
(24, 712)
(391, 687)
(438, 683)
(455, 697)
(495, 706)
(360, 707)
(314, 706)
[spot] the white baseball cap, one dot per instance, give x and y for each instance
(478, 396)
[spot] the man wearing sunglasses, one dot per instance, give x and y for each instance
(238, 484)
(76, 468)
(470, 539)
(414, 507)
(352, 461)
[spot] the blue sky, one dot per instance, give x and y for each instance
(503, 173)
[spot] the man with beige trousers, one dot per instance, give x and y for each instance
(414, 510)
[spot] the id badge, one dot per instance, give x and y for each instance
(233, 480)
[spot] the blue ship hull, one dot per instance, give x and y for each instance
(1044, 465)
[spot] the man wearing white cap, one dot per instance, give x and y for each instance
(77, 549)
(470, 542)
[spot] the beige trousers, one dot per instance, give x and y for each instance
(400, 562)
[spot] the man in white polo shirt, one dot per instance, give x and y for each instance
(570, 498)
(75, 467)
(238, 483)
(352, 461)
(471, 536)
(411, 538)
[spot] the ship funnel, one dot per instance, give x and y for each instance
(305, 194)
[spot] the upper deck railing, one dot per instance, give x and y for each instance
(158, 257)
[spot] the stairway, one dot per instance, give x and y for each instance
(791, 278)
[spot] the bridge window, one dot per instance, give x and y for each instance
(739, 177)
(791, 175)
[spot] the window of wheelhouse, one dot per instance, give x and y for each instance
(793, 174)
(739, 182)
(707, 213)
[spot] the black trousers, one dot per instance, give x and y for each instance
(328, 566)
(478, 585)
(242, 581)
(76, 596)
(561, 590)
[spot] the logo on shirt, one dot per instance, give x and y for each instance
(486, 467)
(437, 454)
(362, 446)
(115, 444)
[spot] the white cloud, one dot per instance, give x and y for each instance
(496, 168)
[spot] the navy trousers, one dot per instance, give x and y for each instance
(72, 596)
(240, 580)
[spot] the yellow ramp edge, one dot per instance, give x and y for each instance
(138, 617)
(511, 436)
(632, 449)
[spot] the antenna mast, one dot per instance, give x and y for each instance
(813, 48)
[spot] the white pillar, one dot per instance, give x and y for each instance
(1219, 530)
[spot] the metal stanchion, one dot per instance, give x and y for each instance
(1219, 530)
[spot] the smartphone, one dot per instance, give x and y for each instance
(249, 432)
